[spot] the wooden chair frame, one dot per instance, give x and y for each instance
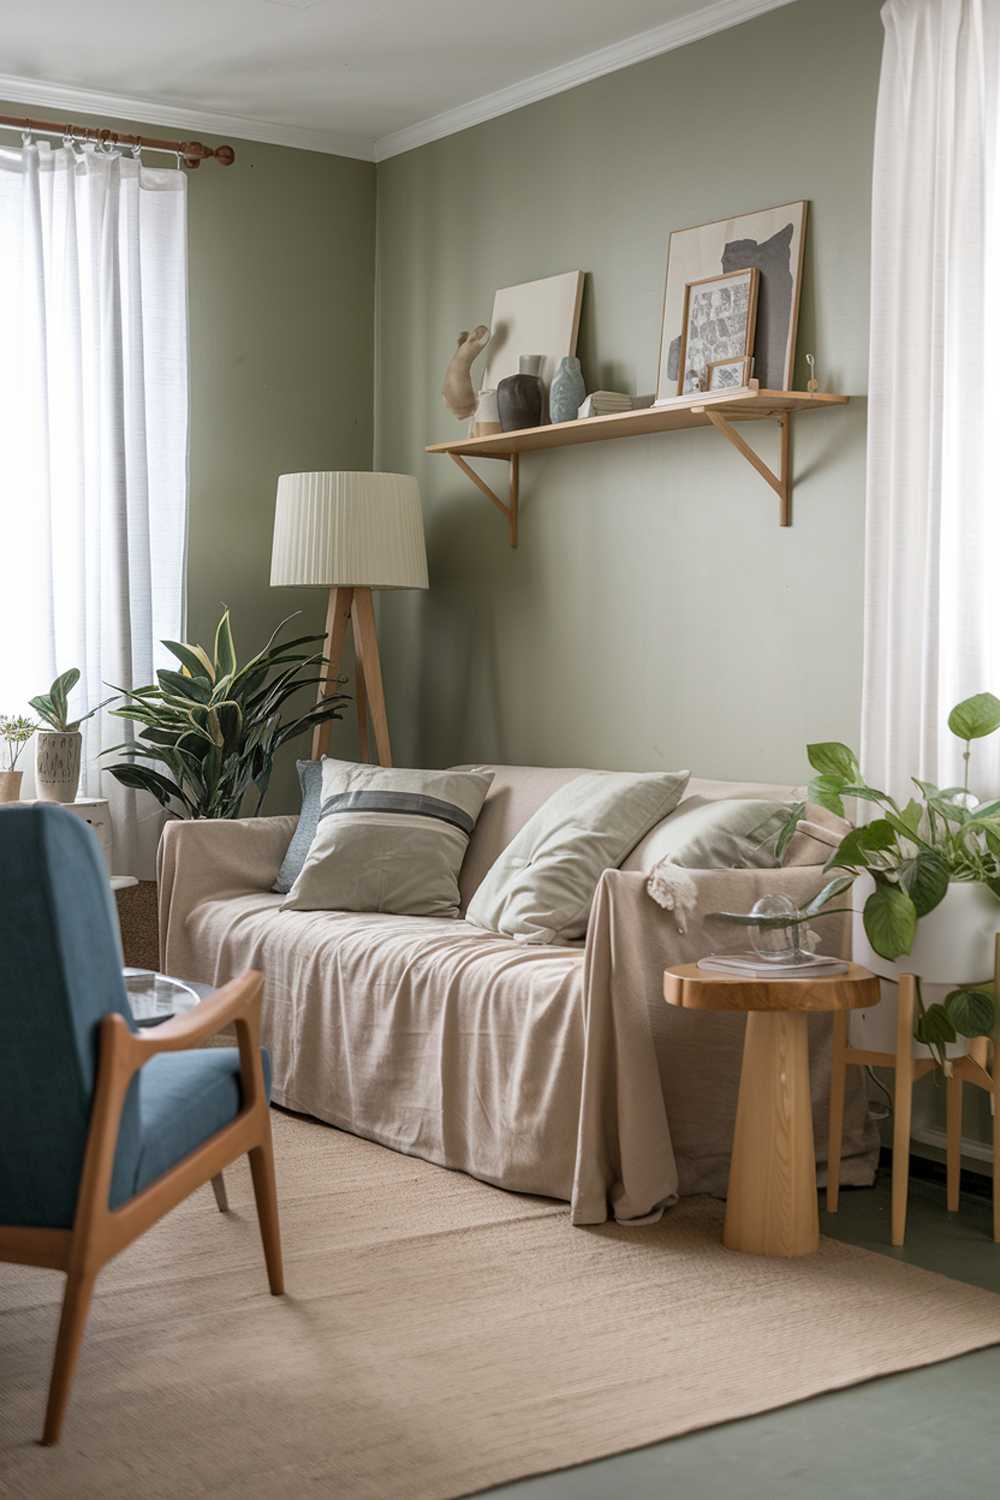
(99, 1232)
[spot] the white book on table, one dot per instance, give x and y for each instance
(751, 965)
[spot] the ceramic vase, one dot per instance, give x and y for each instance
(10, 786)
(57, 765)
(487, 418)
(521, 397)
(568, 391)
(954, 946)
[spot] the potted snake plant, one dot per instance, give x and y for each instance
(57, 748)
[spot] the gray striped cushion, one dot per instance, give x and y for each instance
(389, 840)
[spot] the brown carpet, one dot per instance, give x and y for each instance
(439, 1336)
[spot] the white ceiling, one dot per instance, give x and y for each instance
(366, 77)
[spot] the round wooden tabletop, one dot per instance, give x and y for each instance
(703, 989)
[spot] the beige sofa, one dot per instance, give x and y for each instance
(551, 1070)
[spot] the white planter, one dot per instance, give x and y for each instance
(954, 945)
(57, 765)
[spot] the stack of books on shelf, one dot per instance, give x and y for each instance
(605, 404)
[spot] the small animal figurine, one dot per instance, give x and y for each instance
(812, 384)
(458, 392)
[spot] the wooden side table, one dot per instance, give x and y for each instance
(771, 1206)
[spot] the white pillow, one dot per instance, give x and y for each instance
(541, 888)
(389, 840)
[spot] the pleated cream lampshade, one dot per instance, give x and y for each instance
(344, 530)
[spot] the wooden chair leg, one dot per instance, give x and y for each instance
(903, 1106)
(221, 1196)
(265, 1192)
(835, 1135)
(954, 1150)
(76, 1306)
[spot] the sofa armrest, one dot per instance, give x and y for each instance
(203, 859)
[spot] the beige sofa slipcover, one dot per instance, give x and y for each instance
(542, 1069)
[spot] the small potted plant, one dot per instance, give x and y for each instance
(57, 749)
(15, 732)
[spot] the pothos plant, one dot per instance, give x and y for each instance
(215, 726)
(912, 854)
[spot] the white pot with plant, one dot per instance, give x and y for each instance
(57, 749)
(928, 879)
(15, 732)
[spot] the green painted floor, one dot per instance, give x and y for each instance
(931, 1434)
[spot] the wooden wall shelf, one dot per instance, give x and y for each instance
(719, 410)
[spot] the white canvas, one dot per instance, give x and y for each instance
(537, 317)
(772, 240)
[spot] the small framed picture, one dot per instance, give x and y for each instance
(728, 374)
(720, 317)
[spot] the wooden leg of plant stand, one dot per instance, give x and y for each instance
(771, 1207)
(903, 1106)
(835, 1135)
(954, 1149)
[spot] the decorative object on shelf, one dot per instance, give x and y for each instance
(350, 533)
(771, 240)
(812, 384)
(215, 726)
(458, 390)
(567, 391)
(15, 732)
(604, 403)
(487, 418)
(720, 410)
(728, 374)
(720, 316)
(521, 397)
(57, 749)
(541, 315)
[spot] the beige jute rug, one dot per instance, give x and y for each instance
(438, 1336)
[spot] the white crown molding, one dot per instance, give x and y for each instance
(718, 16)
(71, 101)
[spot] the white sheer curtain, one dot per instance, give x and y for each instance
(932, 621)
(93, 457)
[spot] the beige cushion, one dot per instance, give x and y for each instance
(541, 888)
(733, 834)
(389, 840)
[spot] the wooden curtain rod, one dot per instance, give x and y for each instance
(191, 153)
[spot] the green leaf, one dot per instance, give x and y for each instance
(925, 880)
(878, 835)
(890, 919)
(865, 793)
(934, 1028)
(831, 758)
(912, 815)
(61, 689)
(975, 717)
(825, 789)
(832, 888)
(225, 650)
(787, 832)
(972, 1012)
(195, 658)
(188, 689)
(850, 853)
(144, 779)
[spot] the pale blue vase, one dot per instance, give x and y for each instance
(567, 391)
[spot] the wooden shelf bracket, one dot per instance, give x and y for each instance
(506, 508)
(780, 483)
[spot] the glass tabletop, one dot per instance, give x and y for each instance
(154, 998)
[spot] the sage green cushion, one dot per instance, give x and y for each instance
(734, 833)
(541, 888)
(389, 840)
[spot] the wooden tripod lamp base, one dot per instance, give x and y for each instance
(353, 607)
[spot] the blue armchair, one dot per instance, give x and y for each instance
(113, 1127)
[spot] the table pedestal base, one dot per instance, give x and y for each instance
(772, 1207)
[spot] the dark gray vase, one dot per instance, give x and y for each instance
(521, 397)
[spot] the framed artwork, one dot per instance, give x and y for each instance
(728, 374)
(537, 317)
(720, 315)
(773, 241)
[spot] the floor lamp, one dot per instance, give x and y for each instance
(351, 533)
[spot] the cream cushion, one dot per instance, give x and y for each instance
(389, 840)
(732, 834)
(541, 888)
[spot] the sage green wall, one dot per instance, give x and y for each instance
(281, 276)
(654, 613)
